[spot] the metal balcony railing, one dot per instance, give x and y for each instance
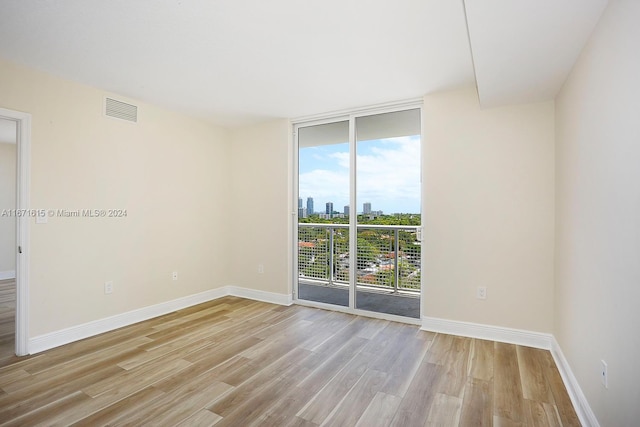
(388, 256)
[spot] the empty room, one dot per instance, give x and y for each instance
(314, 213)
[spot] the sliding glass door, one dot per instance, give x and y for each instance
(359, 193)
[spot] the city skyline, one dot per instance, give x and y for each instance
(366, 207)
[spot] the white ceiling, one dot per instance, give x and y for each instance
(235, 62)
(524, 50)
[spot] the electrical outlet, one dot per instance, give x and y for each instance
(260, 268)
(604, 374)
(174, 275)
(481, 293)
(108, 287)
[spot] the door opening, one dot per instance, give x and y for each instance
(8, 231)
(18, 124)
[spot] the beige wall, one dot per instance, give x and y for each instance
(261, 206)
(488, 200)
(7, 201)
(488, 206)
(171, 174)
(598, 216)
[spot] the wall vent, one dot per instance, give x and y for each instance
(121, 110)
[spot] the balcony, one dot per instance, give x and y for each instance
(387, 264)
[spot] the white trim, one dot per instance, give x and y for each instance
(580, 403)
(270, 297)
(86, 330)
(9, 274)
(293, 225)
(322, 120)
(290, 219)
(372, 109)
(488, 332)
(353, 218)
(23, 180)
(423, 208)
(23, 232)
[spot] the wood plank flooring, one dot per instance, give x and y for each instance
(7, 318)
(236, 362)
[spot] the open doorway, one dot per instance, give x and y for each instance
(8, 225)
(17, 127)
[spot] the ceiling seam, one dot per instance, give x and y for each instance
(473, 62)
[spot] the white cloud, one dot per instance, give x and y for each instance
(388, 176)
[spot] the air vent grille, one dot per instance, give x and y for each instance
(121, 110)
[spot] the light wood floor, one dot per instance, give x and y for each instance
(235, 362)
(7, 319)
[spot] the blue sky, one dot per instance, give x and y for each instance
(388, 175)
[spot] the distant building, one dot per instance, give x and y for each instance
(374, 214)
(331, 215)
(346, 210)
(329, 208)
(366, 208)
(309, 205)
(299, 202)
(302, 213)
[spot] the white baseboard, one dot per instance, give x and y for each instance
(86, 330)
(488, 332)
(270, 297)
(8, 274)
(582, 407)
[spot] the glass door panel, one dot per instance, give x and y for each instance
(388, 193)
(323, 213)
